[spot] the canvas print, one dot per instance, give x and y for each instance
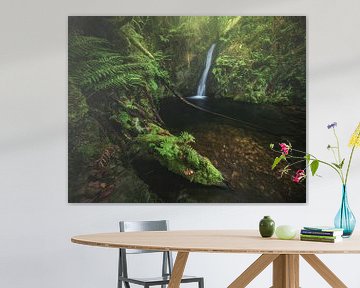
(183, 109)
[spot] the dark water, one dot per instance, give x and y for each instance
(288, 123)
(238, 147)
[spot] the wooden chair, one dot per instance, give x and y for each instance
(167, 263)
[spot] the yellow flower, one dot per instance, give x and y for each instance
(355, 138)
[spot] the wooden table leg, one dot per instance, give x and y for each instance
(178, 269)
(324, 271)
(286, 271)
(293, 264)
(253, 270)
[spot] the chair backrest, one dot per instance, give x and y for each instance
(134, 226)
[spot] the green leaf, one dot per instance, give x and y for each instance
(271, 145)
(277, 161)
(342, 163)
(336, 165)
(307, 157)
(314, 166)
(339, 166)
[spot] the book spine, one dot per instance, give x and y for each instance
(318, 236)
(320, 233)
(318, 239)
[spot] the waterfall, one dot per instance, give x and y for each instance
(202, 83)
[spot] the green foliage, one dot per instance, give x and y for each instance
(138, 125)
(192, 157)
(314, 166)
(86, 141)
(77, 105)
(85, 146)
(97, 66)
(277, 161)
(168, 149)
(340, 165)
(175, 153)
(183, 41)
(186, 137)
(124, 119)
(263, 60)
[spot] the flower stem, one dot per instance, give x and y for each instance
(336, 169)
(350, 159)
(339, 156)
(337, 145)
(296, 162)
(333, 152)
(299, 151)
(314, 158)
(348, 167)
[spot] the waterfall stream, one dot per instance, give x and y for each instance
(201, 90)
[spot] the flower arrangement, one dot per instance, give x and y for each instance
(294, 157)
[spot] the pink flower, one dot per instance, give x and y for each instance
(299, 175)
(284, 148)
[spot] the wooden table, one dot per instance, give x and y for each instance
(284, 254)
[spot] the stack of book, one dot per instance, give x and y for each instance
(321, 234)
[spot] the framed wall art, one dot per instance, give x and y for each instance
(182, 109)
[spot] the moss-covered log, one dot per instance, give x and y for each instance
(176, 154)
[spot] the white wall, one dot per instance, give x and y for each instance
(36, 222)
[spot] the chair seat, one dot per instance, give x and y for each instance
(158, 280)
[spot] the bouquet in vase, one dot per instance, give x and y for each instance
(290, 157)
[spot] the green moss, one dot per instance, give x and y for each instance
(192, 157)
(175, 153)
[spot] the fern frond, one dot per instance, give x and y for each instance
(96, 66)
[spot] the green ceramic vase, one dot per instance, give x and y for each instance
(266, 227)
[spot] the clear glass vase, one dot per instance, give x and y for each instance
(345, 219)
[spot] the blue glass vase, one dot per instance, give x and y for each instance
(345, 219)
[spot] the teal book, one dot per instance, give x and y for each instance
(323, 228)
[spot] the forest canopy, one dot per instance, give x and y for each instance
(121, 68)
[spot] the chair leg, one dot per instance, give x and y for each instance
(120, 273)
(201, 283)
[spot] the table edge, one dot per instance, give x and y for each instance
(203, 250)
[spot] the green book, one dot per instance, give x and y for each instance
(319, 236)
(325, 240)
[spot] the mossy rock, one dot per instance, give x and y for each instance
(176, 153)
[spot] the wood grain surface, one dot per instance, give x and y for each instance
(217, 241)
(253, 270)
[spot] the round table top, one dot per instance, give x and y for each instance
(218, 241)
